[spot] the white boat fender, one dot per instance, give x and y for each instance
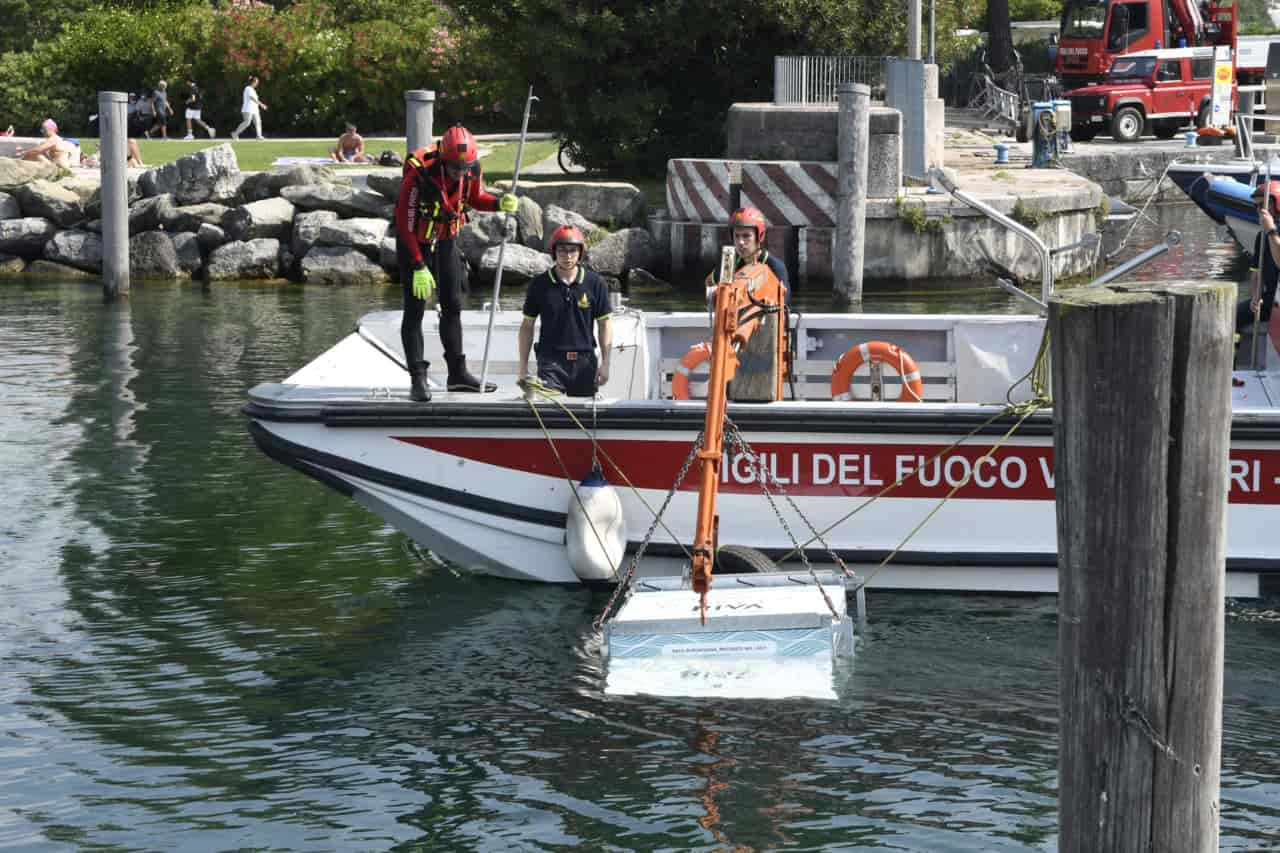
(596, 532)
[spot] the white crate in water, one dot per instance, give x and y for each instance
(770, 635)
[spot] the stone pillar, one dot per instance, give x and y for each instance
(419, 111)
(113, 129)
(851, 191)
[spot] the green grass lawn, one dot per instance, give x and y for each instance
(255, 156)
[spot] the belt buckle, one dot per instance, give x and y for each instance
(571, 355)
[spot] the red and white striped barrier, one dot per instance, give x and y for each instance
(698, 190)
(791, 193)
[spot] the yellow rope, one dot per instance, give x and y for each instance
(554, 397)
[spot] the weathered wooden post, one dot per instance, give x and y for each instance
(419, 113)
(852, 144)
(1142, 425)
(114, 131)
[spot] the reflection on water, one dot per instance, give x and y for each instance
(199, 641)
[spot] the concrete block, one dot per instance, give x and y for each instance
(793, 131)
(814, 251)
(698, 190)
(791, 193)
(884, 165)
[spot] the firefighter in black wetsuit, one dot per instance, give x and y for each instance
(746, 228)
(439, 186)
(1265, 272)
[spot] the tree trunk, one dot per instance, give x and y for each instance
(999, 36)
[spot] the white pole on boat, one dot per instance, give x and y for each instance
(502, 247)
(114, 131)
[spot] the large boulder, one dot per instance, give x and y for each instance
(519, 264)
(341, 265)
(190, 217)
(271, 217)
(264, 185)
(363, 233)
(25, 237)
(554, 217)
(86, 186)
(642, 281)
(151, 255)
(11, 265)
(9, 207)
(211, 174)
(80, 249)
(93, 204)
(306, 228)
(149, 213)
(617, 204)
(388, 258)
(482, 231)
(385, 182)
(52, 201)
(622, 251)
(242, 260)
(210, 237)
(52, 269)
(529, 223)
(187, 247)
(14, 173)
(341, 199)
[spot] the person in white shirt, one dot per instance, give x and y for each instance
(249, 110)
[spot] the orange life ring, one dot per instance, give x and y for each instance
(885, 353)
(697, 354)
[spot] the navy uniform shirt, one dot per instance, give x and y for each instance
(568, 312)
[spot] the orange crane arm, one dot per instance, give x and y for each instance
(740, 304)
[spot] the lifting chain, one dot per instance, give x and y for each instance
(626, 582)
(736, 439)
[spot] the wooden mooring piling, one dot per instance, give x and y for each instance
(1142, 402)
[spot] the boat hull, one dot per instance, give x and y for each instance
(487, 487)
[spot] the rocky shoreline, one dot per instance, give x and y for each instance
(200, 217)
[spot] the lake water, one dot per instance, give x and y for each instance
(204, 650)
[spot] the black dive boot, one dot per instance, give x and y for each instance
(460, 379)
(418, 390)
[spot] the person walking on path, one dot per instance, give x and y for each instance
(160, 103)
(193, 111)
(567, 299)
(250, 110)
(438, 187)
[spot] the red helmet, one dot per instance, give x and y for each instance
(571, 235)
(458, 145)
(748, 217)
(1274, 190)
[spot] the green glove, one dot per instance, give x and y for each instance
(508, 203)
(424, 283)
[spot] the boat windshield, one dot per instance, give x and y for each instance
(1126, 68)
(1084, 20)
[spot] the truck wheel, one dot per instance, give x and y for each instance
(1126, 125)
(1083, 134)
(1166, 128)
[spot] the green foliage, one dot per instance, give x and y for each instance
(320, 63)
(918, 218)
(1028, 216)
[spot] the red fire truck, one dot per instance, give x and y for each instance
(1095, 32)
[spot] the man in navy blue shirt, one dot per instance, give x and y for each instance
(567, 299)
